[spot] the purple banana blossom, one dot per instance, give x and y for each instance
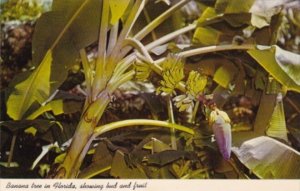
(222, 131)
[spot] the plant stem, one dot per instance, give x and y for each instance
(170, 36)
(114, 84)
(140, 47)
(113, 37)
(156, 43)
(196, 107)
(208, 49)
(160, 19)
(87, 72)
(148, 19)
(172, 120)
(215, 48)
(103, 29)
(84, 131)
(83, 153)
(134, 122)
(100, 77)
(156, 22)
(115, 54)
(11, 150)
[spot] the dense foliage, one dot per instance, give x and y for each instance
(117, 90)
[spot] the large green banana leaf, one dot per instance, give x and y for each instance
(283, 65)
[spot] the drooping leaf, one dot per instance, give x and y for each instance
(57, 107)
(35, 88)
(117, 8)
(41, 125)
(120, 169)
(102, 160)
(284, 66)
(233, 6)
(277, 126)
(96, 168)
(45, 150)
(166, 157)
(264, 113)
(206, 36)
(208, 14)
(268, 158)
(225, 74)
(156, 146)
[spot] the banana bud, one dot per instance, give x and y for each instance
(220, 123)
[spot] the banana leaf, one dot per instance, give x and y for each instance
(283, 65)
(268, 158)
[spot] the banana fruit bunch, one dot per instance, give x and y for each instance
(195, 86)
(172, 74)
(142, 70)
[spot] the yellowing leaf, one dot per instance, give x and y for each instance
(60, 158)
(35, 88)
(233, 6)
(206, 36)
(209, 13)
(156, 146)
(117, 8)
(56, 106)
(224, 75)
(31, 130)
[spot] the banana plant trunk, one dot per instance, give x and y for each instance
(88, 122)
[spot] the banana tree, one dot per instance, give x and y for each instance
(123, 55)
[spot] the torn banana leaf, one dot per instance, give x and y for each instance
(283, 65)
(268, 158)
